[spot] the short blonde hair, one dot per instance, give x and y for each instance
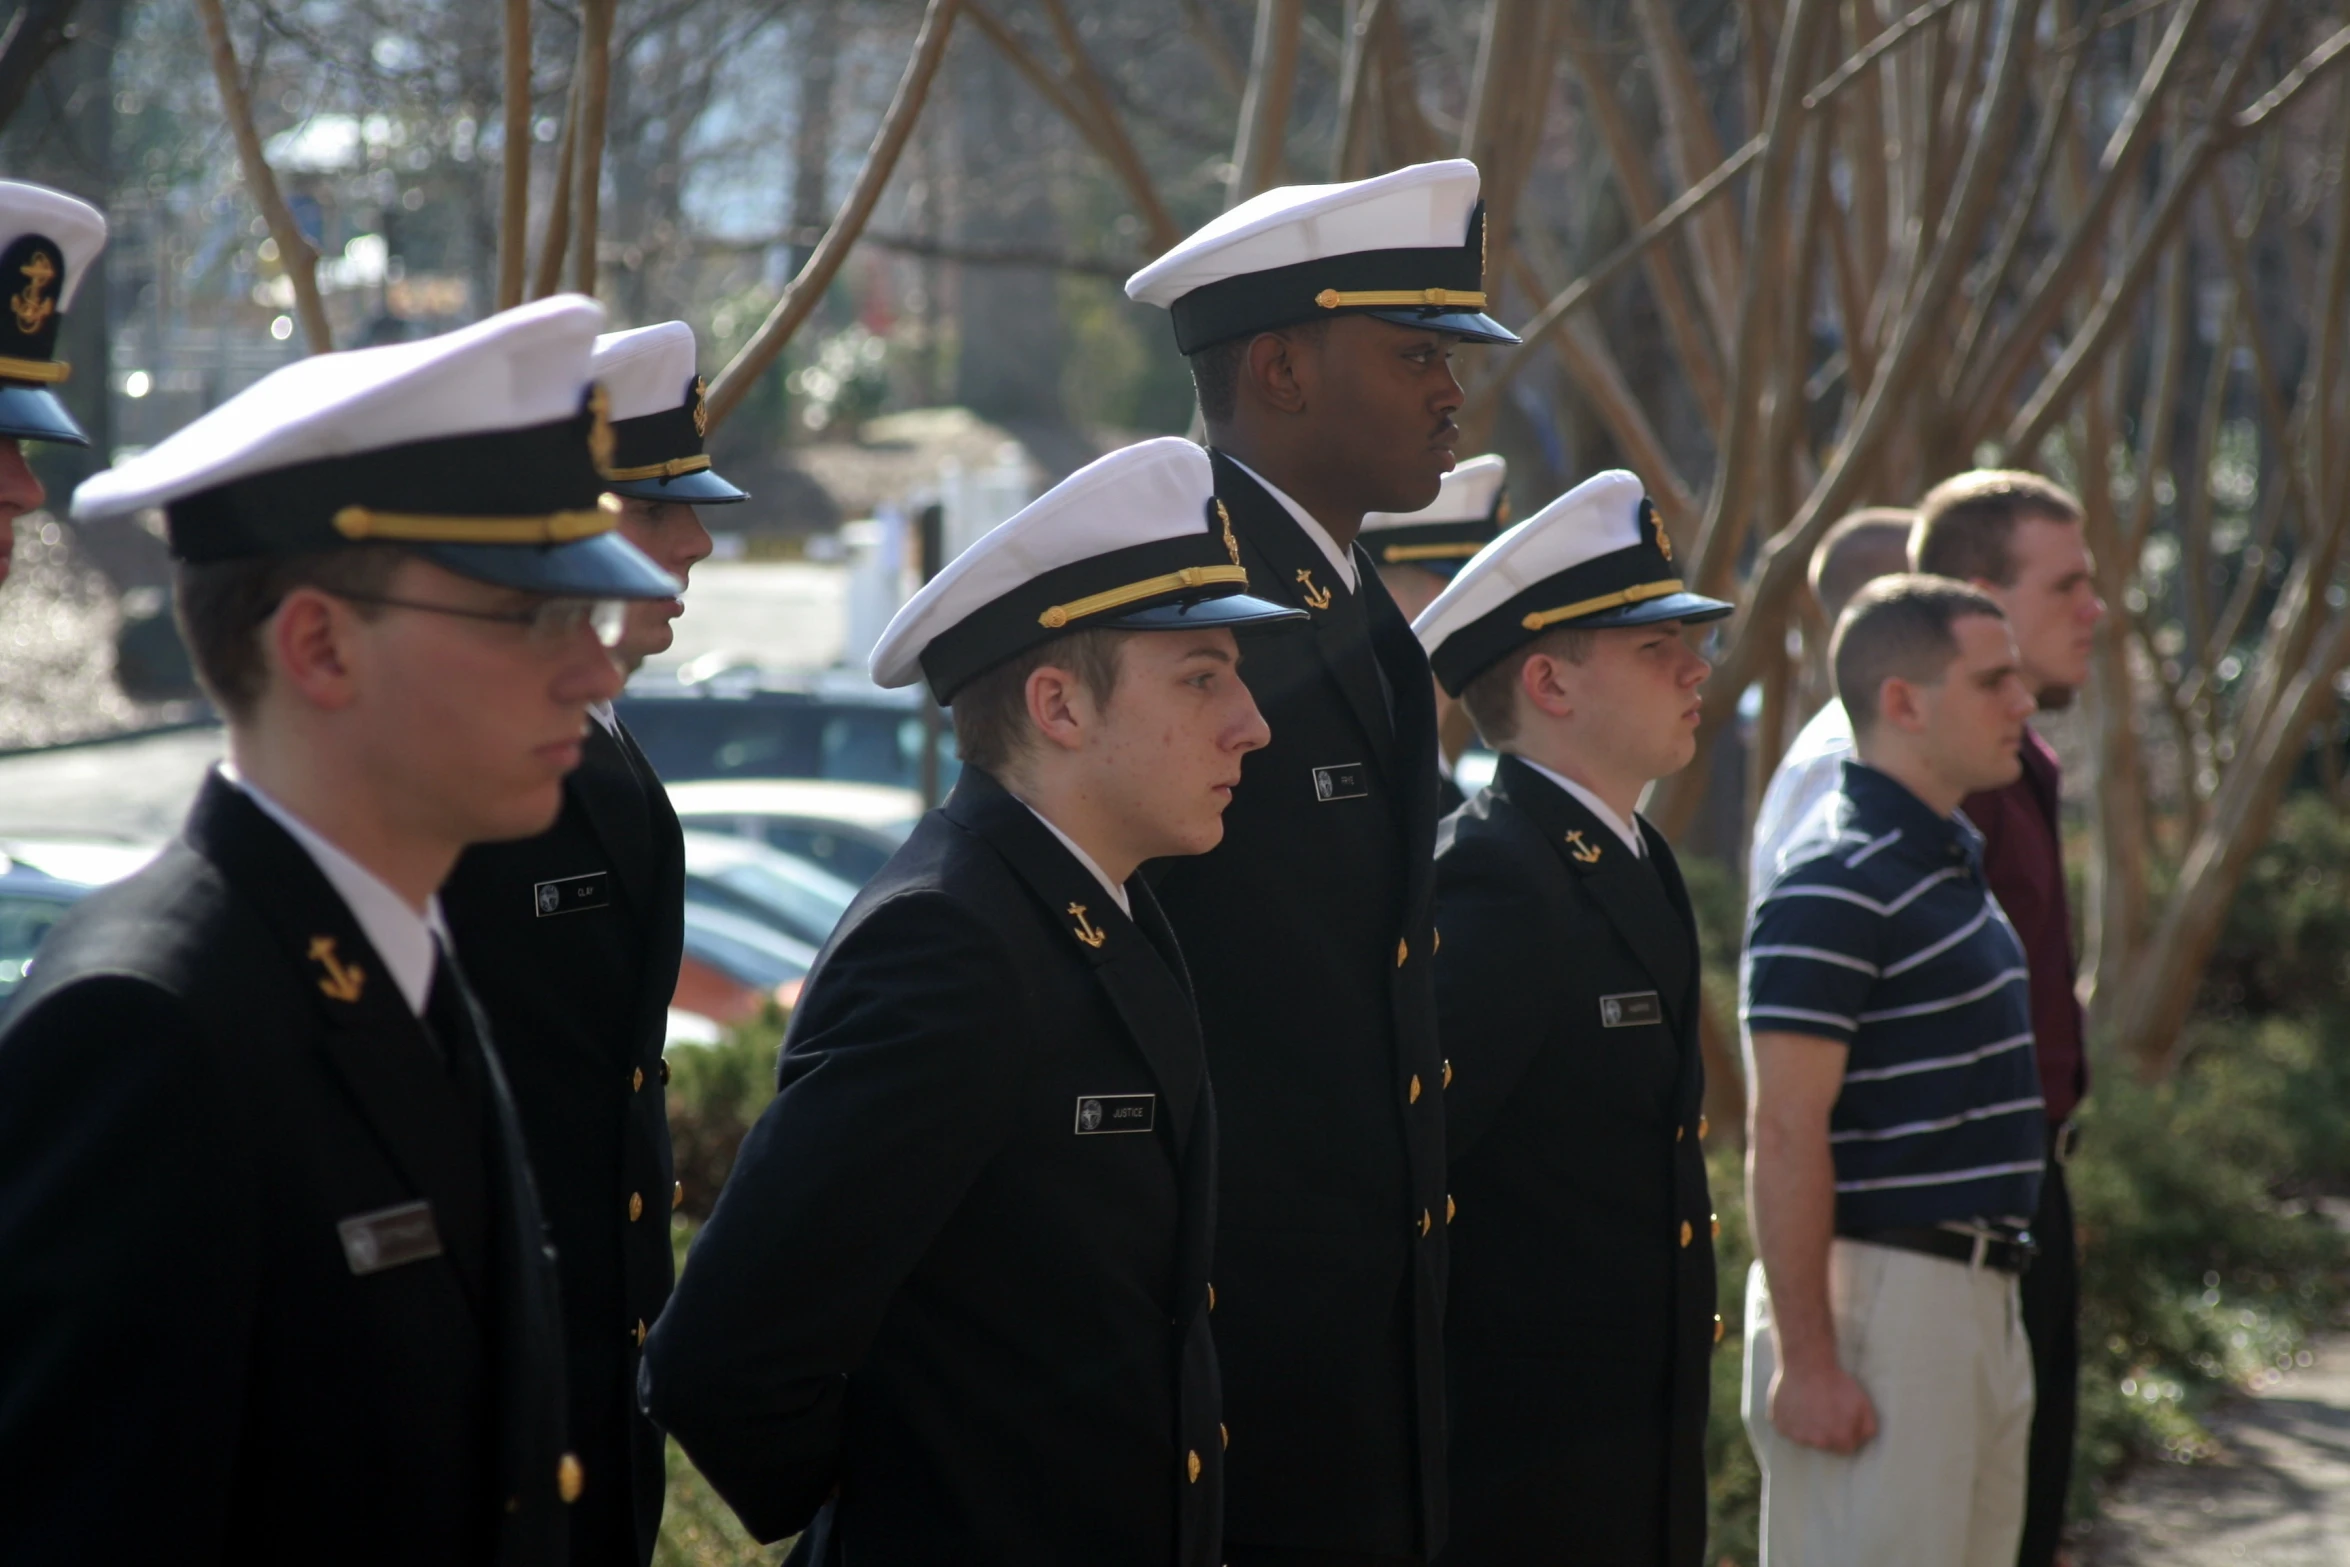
(1492, 697)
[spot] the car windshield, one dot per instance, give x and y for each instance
(791, 895)
(741, 949)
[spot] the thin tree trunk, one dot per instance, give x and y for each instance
(294, 252)
(514, 192)
(595, 58)
(801, 294)
(1264, 107)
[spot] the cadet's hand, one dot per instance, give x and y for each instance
(1822, 1407)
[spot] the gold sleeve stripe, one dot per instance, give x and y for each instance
(1060, 615)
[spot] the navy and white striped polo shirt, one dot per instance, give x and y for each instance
(1880, 932)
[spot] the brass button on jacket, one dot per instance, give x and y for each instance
(1717, 1327)
(1413, 1096)
(569, 1478)
(1688, 1233)
(664, 1069)
(636, 1081)
(1191, 1465)
(677, 1194)
(1403, 950)
(636, 1206)
(1426, 1223)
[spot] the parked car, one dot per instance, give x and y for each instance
(40, 878)
(741, 722)
(849, 829)
(748, 879)
(733, 966)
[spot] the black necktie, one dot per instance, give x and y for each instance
(447, 1017)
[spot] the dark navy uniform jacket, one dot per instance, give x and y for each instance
(1308, 933)
(953, 1303)
(571, 941)
(1582, 1313)
(273, 1280)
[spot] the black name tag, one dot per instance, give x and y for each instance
(389, 1237)
(1630, 1010)
(1100, 1114)
(571, 894)
(1340, 781)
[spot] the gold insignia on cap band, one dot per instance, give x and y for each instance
(557, 527)
(658, 470)
(1060, 615)
(1632, 595)
(1335, 299)
(1401, 552)
(48, 371)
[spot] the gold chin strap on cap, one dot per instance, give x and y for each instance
(556, 527)
(658, 470)
(1396, 553)
(1059, 615)
(1633, 595)
(1418, 298)
(48, 371)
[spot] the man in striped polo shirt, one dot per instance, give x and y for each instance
(1896, 1140)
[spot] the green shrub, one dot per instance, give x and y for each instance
(715, 1093)
(2286, 945)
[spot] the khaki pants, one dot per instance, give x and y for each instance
(1939, 1347)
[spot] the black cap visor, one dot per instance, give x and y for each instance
(604, 566)
(1689, 608)
(1229, 609)
(33, 413)
(699, 488)
(1472, 325)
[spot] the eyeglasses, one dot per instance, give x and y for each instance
(546, 625)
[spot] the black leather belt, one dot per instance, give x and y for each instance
(1975, 1248)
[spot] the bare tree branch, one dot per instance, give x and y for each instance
(1350, 148)
(595, 60)
(37, 31)
(556, 240)
(514, 191)
(294, 251)
(1264, 107)
(800, 295)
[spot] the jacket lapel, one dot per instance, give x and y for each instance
(611, 794)
(389, 1064)
(1632, 895)
(1152, 997)
(1287, 567)
(1406, 662)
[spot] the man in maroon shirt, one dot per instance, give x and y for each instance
(2018, 537)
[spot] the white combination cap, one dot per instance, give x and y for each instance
(481, 449)
(1468, 511)
(1133, 541)
(49, 242)
(1407, 247)
(655, 399)
(1596, 556)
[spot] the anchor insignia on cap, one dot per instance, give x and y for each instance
(1230, 543)
(343, 980)
(1316, 598)
(1584, 853)
(701, 414)
(31, 303)
(1089, 933)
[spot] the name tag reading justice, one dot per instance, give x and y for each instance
(571, 894)
(1098, 1115)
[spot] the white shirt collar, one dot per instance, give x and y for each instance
(1112, 888)
(602, 713)
(1597, 806)
(405, 941)
(1341, 561)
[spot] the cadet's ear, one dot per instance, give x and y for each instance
(1269, 371)
(309, 648)
(1542, 684)
(1059, 706)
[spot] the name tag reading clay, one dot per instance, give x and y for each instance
(389, 1237)
(1100, 1114)
(1630, 1010)
(571, 894)
(1340, 781)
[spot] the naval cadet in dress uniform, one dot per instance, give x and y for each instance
(48, 242)
(1418, 553)
(1582, 1316)
(953, 1304)
(1320, 322)
(273, 1276)
(571, 940)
